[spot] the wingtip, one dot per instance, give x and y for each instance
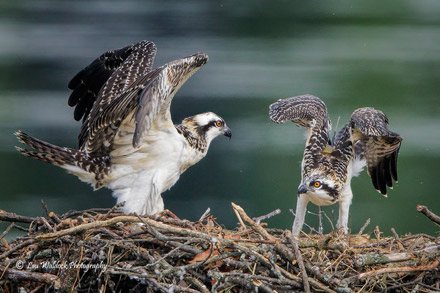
(383, 194)
(22, 151)
(20, 135)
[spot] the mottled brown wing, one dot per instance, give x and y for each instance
(155, 98)
(379, 145)
(304, 110)
(97, 136)
(310, 112)
(149, 98)
(129, 63)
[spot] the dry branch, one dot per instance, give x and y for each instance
(103, 250)
(24, 276)
(382, 271)
(424, 210)
(12, 217)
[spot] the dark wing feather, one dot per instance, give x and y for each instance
(126, 67)
(379, 145)
(310, 112)
(145, 98)
(87, 84)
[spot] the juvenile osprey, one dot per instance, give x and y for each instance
(327, 167)
(128, 142)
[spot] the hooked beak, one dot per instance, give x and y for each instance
(227, 132)
(302, 189)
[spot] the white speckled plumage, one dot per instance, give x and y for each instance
(328, 167)
(128, 142)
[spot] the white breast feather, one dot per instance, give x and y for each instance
(139, 176)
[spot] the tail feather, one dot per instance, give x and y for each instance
(88, 169)
(47, 152)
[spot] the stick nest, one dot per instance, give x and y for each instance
(103, 250)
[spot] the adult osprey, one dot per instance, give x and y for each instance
(128, 142)
(327, 167)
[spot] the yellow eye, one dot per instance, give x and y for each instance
(219, 123)
(317, 184)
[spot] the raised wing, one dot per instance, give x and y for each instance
(116, 69)
(147, 98)
(156, 97)
(310, 112)
(380, 146)
(305, 110)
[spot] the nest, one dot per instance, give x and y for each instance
(103, 250)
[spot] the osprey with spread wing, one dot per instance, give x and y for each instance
(128, 142)
(328, 166)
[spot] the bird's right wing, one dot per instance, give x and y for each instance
(380, 146)
(310, 112)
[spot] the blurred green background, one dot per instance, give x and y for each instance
(384, 54)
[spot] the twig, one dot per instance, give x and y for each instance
(26, 276)
(260, 230)
(46, 223)
(205, 214)
(329, 220)
(433, 217)
(12, 217)
(392, 288)
(114, 208)
(44, 206)
(300, 261)
(242, 225)
(196, 283)
(418, 236)
(88, 226)
(367, 222)
(74, 213)
(396, 236)
(267, 216)
(8, 229)
(369, 274)
(55, 218)
(17, 247)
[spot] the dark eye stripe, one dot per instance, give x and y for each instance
(203, 129)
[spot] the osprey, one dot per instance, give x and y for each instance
(328, 166)
(128, 142)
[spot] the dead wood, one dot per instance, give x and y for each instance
(101, 250)
(424, 210)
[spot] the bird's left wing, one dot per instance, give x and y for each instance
(155, 99)
(380, 146)
(146, 100)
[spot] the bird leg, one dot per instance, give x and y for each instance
(344, 207)
(301, 207)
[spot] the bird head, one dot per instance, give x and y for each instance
(320, 186)
(208, 125)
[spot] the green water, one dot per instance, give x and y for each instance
(384, 54)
